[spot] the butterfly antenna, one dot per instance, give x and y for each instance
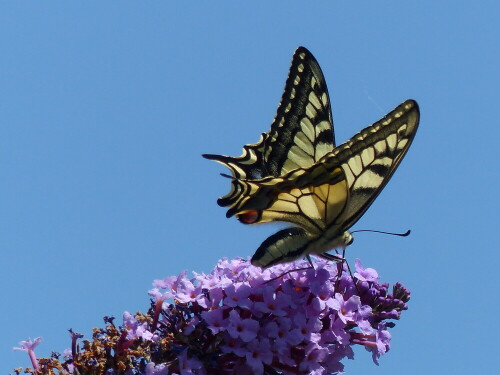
(405, 234)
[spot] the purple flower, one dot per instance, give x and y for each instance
(346, 309)
(189, 366)
(136, 329)
(365, 274)
(241, 319)
(213, 280)
(237, 295)
(168, 282)
(274, 302)
(259, 353)
(382, 340)
(307, 329)
(282, 334)
(362, 318)
(314, 356)
(29, 347)
(235, 346)
(322, 291)
(215, 320)
(187, 292)
(160, 369)
(245, 329)
(214, 298)
(337, 332)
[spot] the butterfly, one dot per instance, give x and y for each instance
(296, 174)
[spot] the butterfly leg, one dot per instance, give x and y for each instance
(331, 257)
(340, 266)
(294, 270)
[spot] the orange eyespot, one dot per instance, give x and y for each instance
(248, 217)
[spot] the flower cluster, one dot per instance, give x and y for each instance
(239, 319)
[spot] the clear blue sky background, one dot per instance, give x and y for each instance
(106, 107)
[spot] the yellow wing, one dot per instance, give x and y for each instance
(297, 175)
(326, 199)
(300, 135)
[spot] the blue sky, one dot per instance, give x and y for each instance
(106, 107)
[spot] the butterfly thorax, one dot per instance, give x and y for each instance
(329, 240)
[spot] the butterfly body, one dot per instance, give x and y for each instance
(296, 174)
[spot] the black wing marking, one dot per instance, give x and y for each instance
(300, 135)
(302, 131)
(373, 155)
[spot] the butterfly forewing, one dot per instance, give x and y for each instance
(372, 156)
(300, 135)
(302, 131)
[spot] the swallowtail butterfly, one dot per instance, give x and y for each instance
(296, 174)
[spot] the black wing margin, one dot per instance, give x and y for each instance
(300, 135)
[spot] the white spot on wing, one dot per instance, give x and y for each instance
(310, 111)
(355, 164)
(314, 100)
(380, 147)
(324, 99)
(368, 179)
(290, 165)
(367, 155)
(402, 143)
(323, 125)
(322, 149)
(385, 161)
(307, 128)
(296, 152)
(391, 141)
(303, 142)
(313, 81)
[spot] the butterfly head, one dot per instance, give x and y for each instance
(339, 242)
(347, 239)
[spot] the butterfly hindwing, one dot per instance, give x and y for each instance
(373, 156)
(284, 246)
